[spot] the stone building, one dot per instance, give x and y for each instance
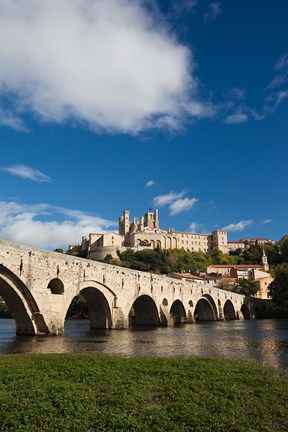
(146, 233)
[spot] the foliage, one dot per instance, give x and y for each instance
(218, 257)
(165, 261)
(78, 308)
(278, 289)
(76, 251)
(86, 393)
(108, 258)
(4, 311)
(245, 286)
(283, 248)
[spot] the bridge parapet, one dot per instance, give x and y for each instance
(46, 282)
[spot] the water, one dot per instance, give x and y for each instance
(265, 341)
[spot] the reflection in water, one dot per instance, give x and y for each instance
(265, 341)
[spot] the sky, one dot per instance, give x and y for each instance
(112, 105)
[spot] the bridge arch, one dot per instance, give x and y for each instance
(245, 311)
(229, 311)
(205, 309)
(21, 303)
(177, 312)
(144, 312)
(100, 301)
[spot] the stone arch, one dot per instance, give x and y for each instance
(212, 303)
(245, 311)
(158, 244)
(229, 311)
(174, 243)
(100, 300)
(204, 310)
(169, 243)
(152, 244)
(21, 303)
(144, 312)
(56, 286)
(177, 312)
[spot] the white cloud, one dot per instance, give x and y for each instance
(150, 183)
(181, 205)
(238, 226)
(236, 118)
(214, 10)
(183, 6)
(108, 64)
(195, 227)
(266, 221)
(11, 120)
(47, 226)
(282, 62)
(176, 201)
(277, 81)
(237, 93)
(27, 173)
(163, 200)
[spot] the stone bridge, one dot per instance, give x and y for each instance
(38, 286)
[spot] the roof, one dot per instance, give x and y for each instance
(235, 266)
(188, 276)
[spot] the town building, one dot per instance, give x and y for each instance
(146, 233)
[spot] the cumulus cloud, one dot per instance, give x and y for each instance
(109, 64)
(181, 205)
(214, 10)
(163, 200)
(150, 183)
(24, 224)
(238, 226)
(26, 172)
(176, 201)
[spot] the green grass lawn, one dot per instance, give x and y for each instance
(101, 393)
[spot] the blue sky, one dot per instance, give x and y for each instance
(118, 104)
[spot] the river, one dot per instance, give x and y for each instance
(265, 341)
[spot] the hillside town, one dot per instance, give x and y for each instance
(145, 234)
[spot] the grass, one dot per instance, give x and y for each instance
(99, 393)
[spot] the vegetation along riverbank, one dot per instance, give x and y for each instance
(102, 393)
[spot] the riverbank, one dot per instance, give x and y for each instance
(104, 393)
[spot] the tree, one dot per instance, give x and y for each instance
(245, 286)
(278, 288)
(108, 258)
(283, 248)
(59, 250)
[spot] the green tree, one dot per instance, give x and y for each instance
(245, 286)
(60, 250)
(108, 258)
(218, 257)
(278, 288)
(283, 248)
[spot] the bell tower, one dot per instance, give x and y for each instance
(264, 261)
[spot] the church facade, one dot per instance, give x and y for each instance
(146, 233)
